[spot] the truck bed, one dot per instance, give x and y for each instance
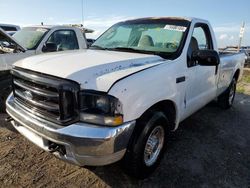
(227, 53)
(229, 62)
(233, 57)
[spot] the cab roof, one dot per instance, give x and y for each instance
(164, 18)
(171, 18)
(86, 30)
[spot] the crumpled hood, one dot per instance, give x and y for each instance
(93, 69)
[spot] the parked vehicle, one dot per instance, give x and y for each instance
(40, 39)
(247, 56)
(10, 28)
(32, 41)
(122, 97)
(247, 48)
(244, 50)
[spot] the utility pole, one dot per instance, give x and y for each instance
(242, 30)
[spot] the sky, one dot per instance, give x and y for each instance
(226, 16)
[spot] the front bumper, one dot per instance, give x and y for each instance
(85, 144)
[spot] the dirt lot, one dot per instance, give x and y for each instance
(210, 149)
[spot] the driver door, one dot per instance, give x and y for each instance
(201, 86)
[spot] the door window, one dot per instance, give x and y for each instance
(64, 40)
(200, 35)
(201, 40)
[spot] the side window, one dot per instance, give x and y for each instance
(200, 35)
(201, 40)
(64, 40)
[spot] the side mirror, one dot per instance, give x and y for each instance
(90, 42)
(6, 44)
(49, 47)
(206, 57)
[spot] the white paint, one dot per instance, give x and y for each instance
(99, 70)
(93, 69)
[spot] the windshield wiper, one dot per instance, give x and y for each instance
(119, 49)
(128, 49)
(98, 47)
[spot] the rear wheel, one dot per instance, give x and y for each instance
(226, 99)
(147, 145)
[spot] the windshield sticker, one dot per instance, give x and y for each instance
(175, 28)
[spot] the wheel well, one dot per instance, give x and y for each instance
(168, 108)
(237, 74)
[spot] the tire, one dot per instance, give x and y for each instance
(226, 99)
(2, 105)
(3, 96)
(6, 87)
(146, 146)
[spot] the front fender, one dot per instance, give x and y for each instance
(141, 91)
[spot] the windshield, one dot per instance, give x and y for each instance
(30, 37)
(147, 36)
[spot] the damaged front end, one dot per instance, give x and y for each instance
(8, 45)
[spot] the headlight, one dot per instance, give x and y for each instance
(100, 108)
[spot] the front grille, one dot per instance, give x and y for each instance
(49, 97)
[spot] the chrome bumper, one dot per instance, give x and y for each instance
(85, 144)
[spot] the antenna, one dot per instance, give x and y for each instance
(82, 14)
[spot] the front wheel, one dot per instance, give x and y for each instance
(146, 148)
(226, 99)
(3, 96)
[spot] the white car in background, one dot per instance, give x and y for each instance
(31, 41)
(35, 40)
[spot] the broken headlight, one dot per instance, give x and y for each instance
(100, 108)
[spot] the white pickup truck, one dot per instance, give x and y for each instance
(31, 41)
(122, 97)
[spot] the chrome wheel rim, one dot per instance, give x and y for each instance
(232, 93)
(154, 145)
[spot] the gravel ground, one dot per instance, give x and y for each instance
(210, 149)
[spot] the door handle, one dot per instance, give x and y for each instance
(180, 79)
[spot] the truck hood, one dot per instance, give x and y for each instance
(6, 36)
(92, 69)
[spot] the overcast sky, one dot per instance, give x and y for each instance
(224, 15)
